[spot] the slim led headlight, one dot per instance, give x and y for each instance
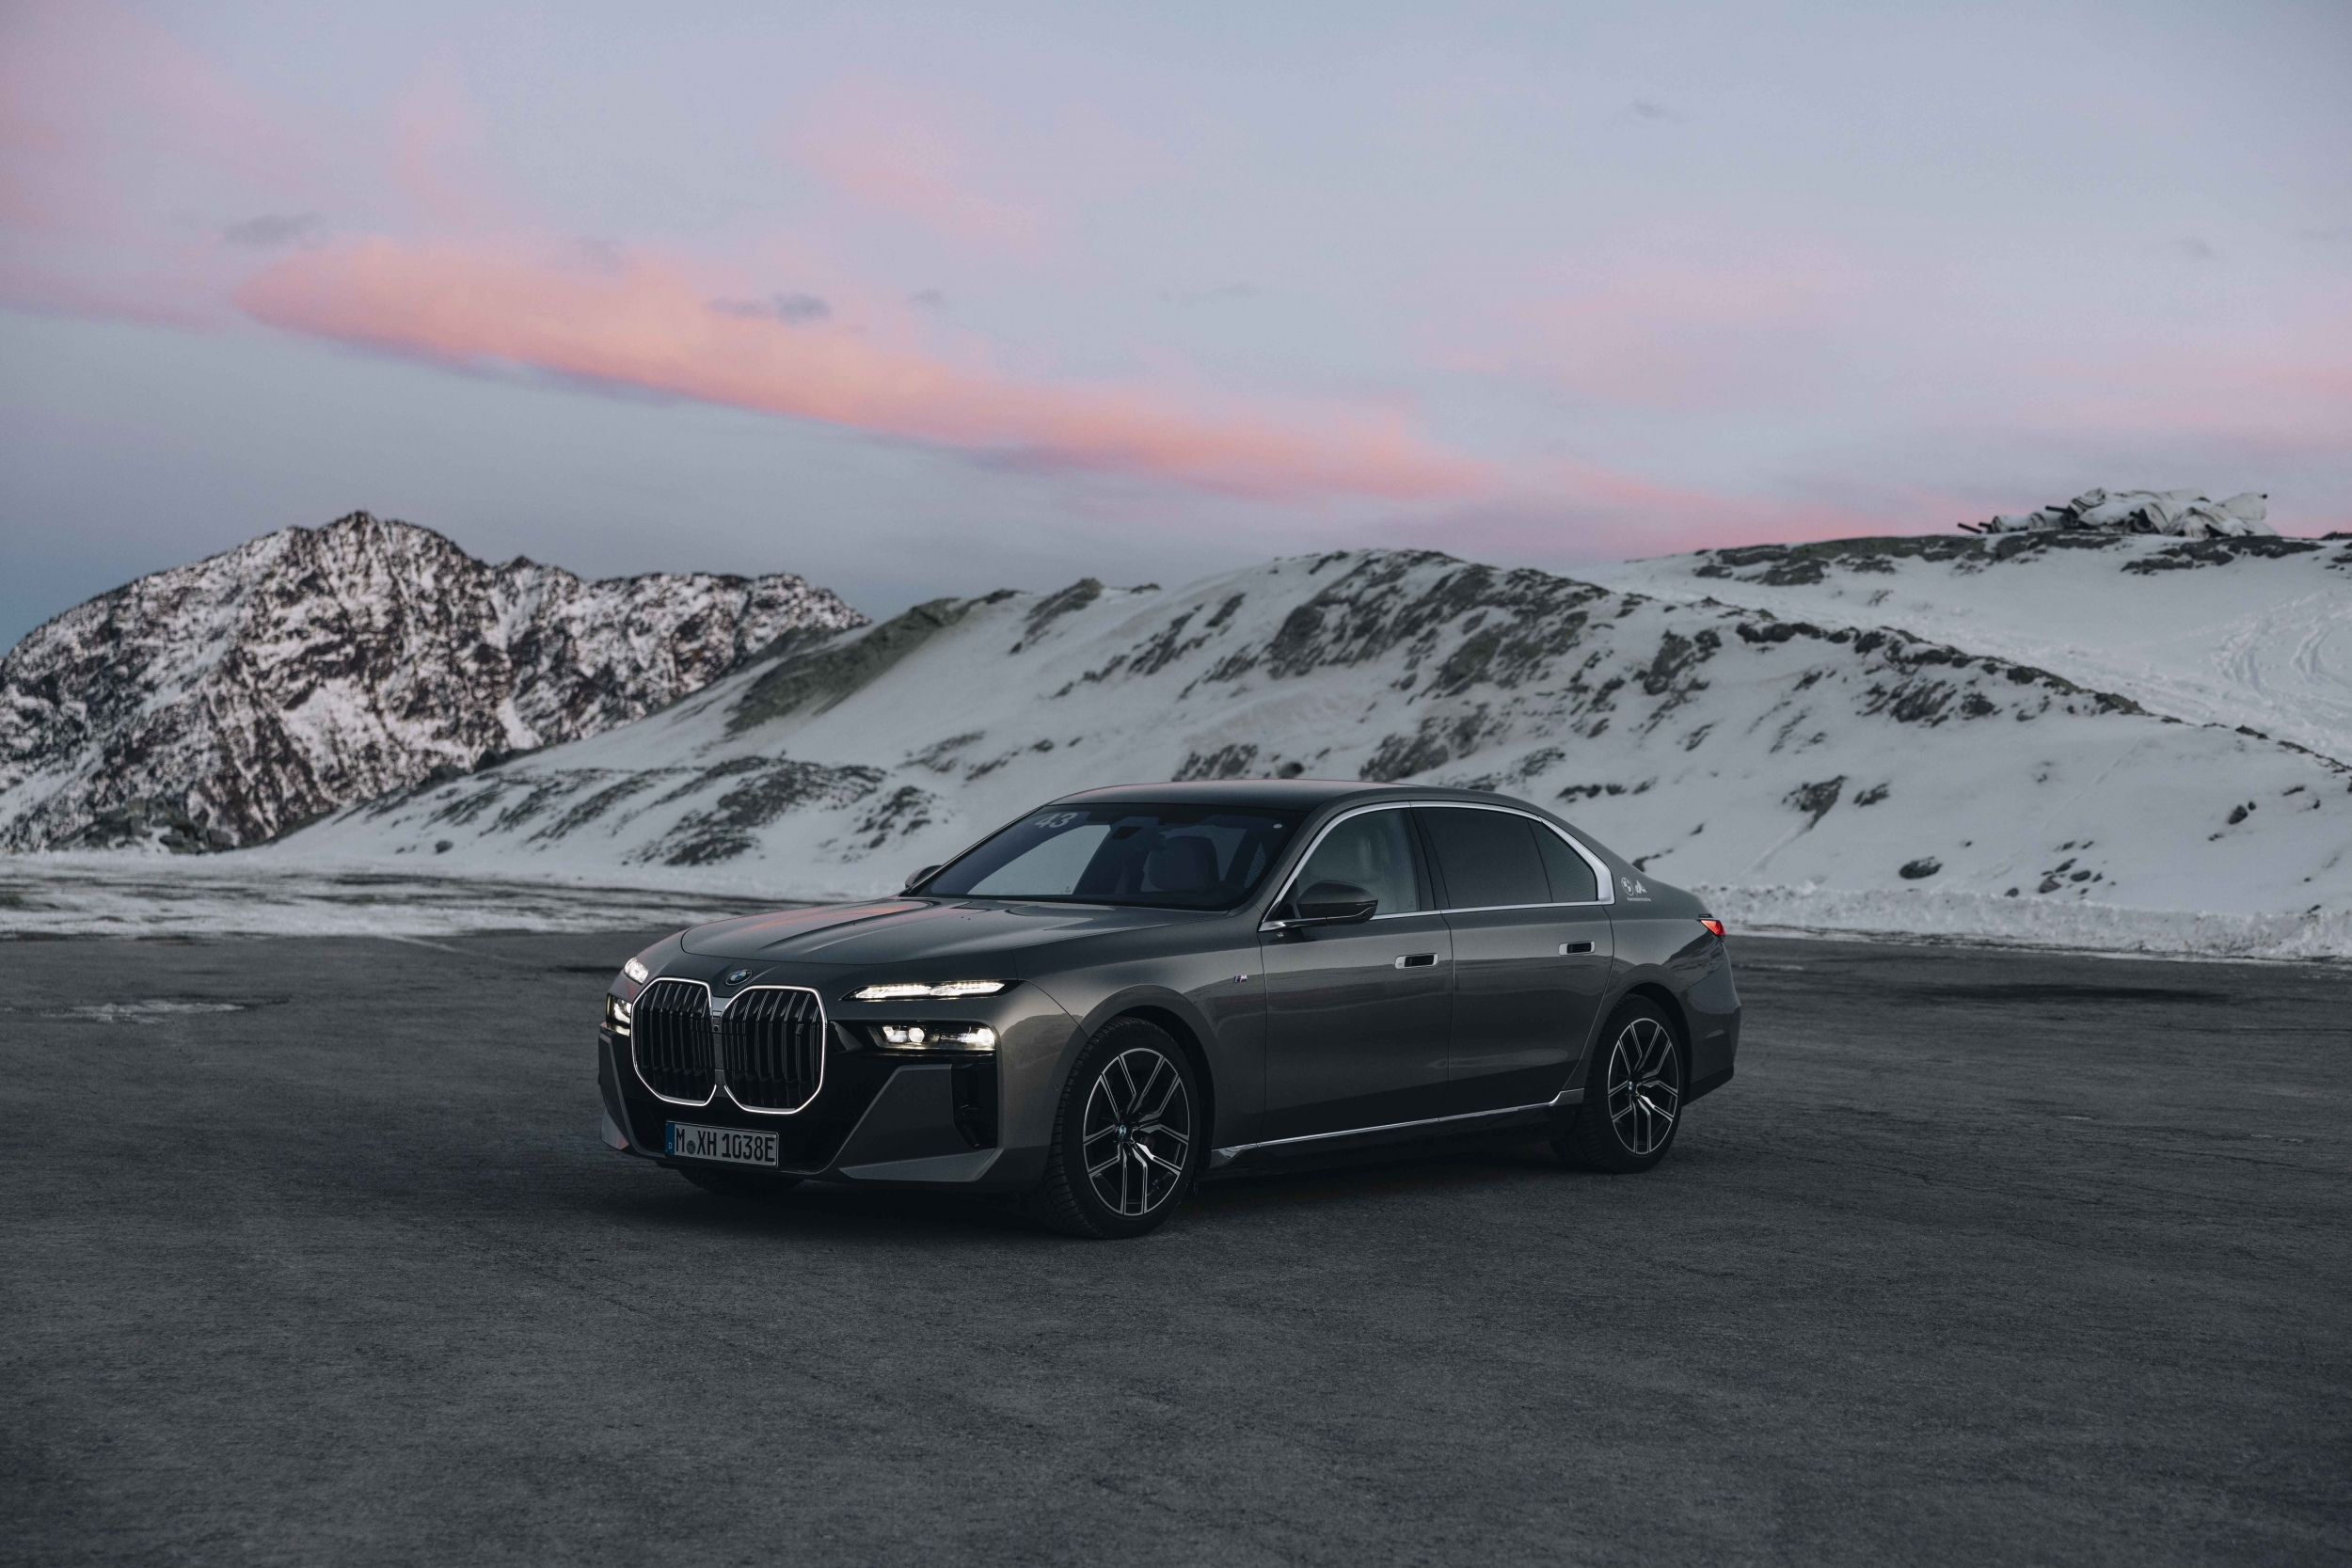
(618, 1016)
(637, 972)
(937, 1036)
(915, 991)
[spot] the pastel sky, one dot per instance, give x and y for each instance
(919, 299)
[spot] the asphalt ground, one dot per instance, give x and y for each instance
(1985, 1256)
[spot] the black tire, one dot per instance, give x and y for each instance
(1633, 1095)
(1140, 1169)
(755, 1185)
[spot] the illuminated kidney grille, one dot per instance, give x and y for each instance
(670, 1036)
(773, 1043)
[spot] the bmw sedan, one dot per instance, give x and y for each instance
(1131, 990)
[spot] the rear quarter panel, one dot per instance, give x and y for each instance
(1661, 943)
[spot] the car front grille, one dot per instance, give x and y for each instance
(670, 1038)
(772, 1044)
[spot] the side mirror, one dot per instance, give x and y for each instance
(1333, 904)
(921, 875)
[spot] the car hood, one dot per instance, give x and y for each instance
(898, 930)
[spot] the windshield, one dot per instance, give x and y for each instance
(1169, 857)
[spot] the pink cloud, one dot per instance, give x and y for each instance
(650, 325)
(2270, 393)
(1686, 320)
(896, 151)
(1593, 511)
(437, 147)
(124, 157)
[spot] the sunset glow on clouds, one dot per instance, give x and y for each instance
(1540, 286)
(645, 326)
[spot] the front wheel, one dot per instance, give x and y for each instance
(1632, 1096)
(1126, 1137)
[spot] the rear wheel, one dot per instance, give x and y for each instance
(753, 1185)
(1632, 1096)
(1126, 1137)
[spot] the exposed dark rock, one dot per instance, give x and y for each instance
(770, 787)
(312, 668)
(815, 680)
(2192, 553)
(1054, 605)
(1815, 799)
(1226, 762)
(904, 810)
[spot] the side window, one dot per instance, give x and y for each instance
(1487, 858)
(1373, 851)
(1571, 876)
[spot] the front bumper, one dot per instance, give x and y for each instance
(908, 1118)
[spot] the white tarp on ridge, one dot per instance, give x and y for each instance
(2188, 514)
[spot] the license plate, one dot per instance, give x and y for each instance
(731, 1145)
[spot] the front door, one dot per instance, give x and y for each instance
(1531, 954)
(1358, 1017)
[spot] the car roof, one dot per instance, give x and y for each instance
(1285, 794)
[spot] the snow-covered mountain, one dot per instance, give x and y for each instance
(2006, 756)
(220, 702)
(2254, 631)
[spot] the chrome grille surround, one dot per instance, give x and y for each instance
(671, 1042)
(771, 1048)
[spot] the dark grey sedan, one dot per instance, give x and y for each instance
(1131, 990)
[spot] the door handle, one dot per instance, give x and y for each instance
(1568, 947)
(1416, 960)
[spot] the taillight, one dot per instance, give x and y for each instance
(1712, 924)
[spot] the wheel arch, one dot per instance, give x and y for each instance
(1180, 1029)
(1660, 996)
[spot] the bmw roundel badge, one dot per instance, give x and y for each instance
(736, 975)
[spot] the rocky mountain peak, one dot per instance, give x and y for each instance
(312, 667)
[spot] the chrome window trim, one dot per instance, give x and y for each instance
(1603, 878)
(1560, 1101)
(824, 1034)
(718, 1059)
(1270, 924)
(717, 1073)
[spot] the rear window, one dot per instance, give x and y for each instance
(1486, 859)
(1169, 857)
(1572, 879)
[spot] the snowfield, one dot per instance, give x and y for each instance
(1959, 738)
(2255, 633)
(133, 894)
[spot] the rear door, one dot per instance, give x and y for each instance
(1358, 1017)
(1532, 951)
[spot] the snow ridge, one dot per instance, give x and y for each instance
(227, 700)
(2253, 632)
(1854, 770)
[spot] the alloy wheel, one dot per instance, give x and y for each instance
(1136, 1133)
(1645, 1086)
